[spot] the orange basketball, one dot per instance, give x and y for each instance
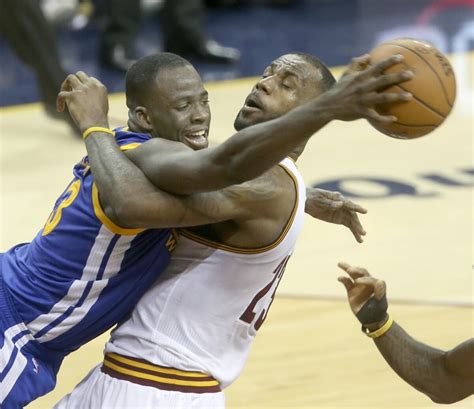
(433, 87)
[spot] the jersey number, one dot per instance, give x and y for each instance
(67, 199)
(260, 309)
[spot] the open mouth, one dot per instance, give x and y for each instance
(252, 103)
(197, 139)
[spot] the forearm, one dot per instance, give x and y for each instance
(422, 366)
(245, 156)
(117, 178)
(254, 150)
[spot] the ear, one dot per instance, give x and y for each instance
(142, 119)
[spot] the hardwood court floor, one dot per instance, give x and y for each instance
(310, 353)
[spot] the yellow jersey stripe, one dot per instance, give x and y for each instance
(99, 212)
(155, 378)
(150, 367)
(129, 146)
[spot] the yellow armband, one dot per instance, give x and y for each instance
(92, 129)
(382, 330)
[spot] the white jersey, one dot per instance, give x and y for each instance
(206, 308)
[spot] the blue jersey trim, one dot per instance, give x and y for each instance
(9, 365)
(86, 292)
(106, 257)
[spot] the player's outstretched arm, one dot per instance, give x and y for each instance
(179, 170)
(253, 150)
(444, 376)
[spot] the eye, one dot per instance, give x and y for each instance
(205, 101)
(286, 85)
(182, 107)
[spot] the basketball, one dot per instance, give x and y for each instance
(433, 87)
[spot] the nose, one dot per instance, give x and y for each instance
(200, 113)
(265, 84)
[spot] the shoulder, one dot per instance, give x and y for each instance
(160, 146)
(129, 140)
(276, 182)
(272, 191)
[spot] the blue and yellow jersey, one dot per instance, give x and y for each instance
(82, 273)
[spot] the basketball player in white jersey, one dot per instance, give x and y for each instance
(189, 336)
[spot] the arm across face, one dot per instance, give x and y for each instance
(255, 149)
(241, 157)
(179, 170)
(149, 207)
(130, 200)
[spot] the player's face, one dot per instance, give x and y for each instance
(288, 82)
(179, 109)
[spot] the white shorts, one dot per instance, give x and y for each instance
(99, 390)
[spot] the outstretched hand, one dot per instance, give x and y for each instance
(357, 64)
(362, 88)
(87, 100)
(360, 286)
(333, 207)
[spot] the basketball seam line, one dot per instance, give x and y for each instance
(415, 126)
(422, 102)
(431, 68)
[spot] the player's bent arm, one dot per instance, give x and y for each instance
(446, 377)
(128, 198)
(131, 200)
(237, 202)
(244, 156)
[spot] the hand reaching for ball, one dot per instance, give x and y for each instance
(433, 87)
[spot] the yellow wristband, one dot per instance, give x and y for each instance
(382, 330)
(92, 129)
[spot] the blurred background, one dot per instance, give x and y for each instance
(419, 193)
(102, 36)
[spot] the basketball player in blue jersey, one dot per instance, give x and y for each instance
(296, 96)
(86, 269)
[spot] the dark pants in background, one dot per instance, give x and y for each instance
(28, 33)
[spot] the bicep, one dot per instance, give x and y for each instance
(153, 208)
(238, 202)
(241, 202)
(150, 207)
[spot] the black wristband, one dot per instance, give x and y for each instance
(373, 311)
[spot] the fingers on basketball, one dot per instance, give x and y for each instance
(433, 87)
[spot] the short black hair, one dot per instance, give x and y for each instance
(328, 79)
(143, 72)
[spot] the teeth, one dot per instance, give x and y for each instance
(197, 134)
